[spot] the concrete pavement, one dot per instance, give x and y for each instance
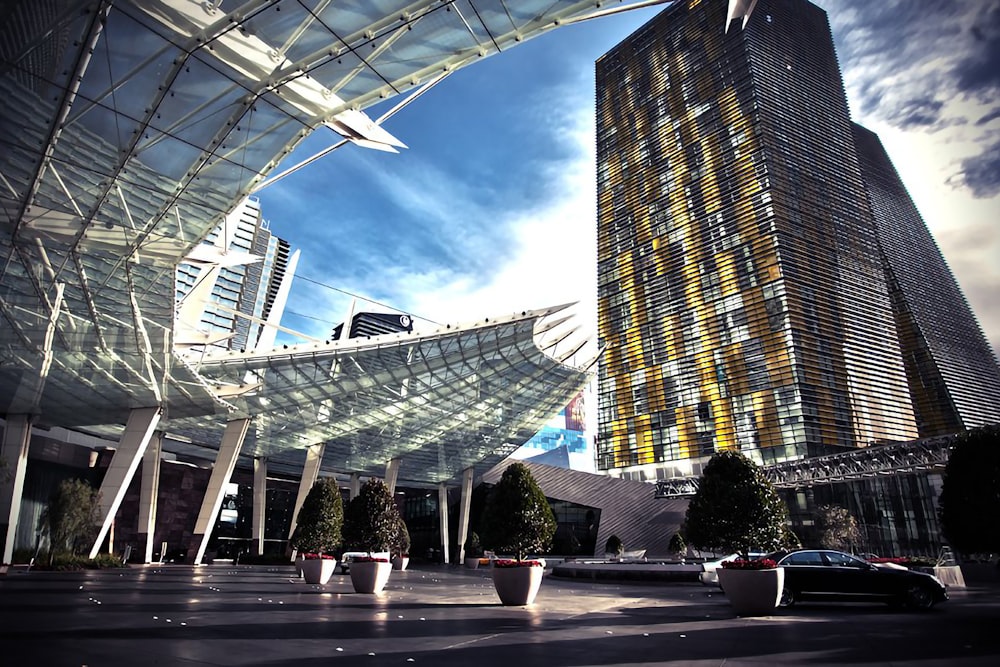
(435, 615)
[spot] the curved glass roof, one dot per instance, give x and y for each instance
(129, 129)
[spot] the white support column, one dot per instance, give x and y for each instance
(355, 487)
(132, 445)
(259, 502)
(391, 474)
(443, 517)
(463, 512)
(229, 451)
(16, 438)
(147, 495)
(310, 473)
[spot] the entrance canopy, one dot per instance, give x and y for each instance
(129, 129)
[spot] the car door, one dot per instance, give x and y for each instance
(848, 576)
(804, 572)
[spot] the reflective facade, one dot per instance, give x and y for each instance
(740, 283)
(952, 372)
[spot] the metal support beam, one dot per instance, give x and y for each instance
(463, 512)
(16, 439)
(310, 473)
(355, 487)
(147, 494)
(229, 450)
(132, 445)
(443, 518)
(391, 474)
(259, 502)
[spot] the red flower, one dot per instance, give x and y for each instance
(759, 564)
(509, 562)
(318, 557)
(369, 559)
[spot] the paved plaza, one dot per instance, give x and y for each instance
(436, 615)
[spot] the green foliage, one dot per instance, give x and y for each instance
(472, 546)
(402, 537)
(318, 525)
(517, 518)
(614, 545)
(371, 519)
(677, 545)
(789, 540)
(969, 506)
(735, 508)
(64, 561)
(837, 527)
(70, 518)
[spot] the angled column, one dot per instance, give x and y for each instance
(391, 474)
(16, 438)
(463, 512)
(132, 445)
(355, 487)
(259, 502)
(443, 517)
(310, 473)
(222, 471)
(147, 494)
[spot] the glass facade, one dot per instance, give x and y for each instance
(741, 292)
(953, 374)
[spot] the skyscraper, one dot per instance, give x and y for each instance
(245, 290)
(741, 284)
(952, 372)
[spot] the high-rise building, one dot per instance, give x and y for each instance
(247, 291)
(952, 371)
(741, 282)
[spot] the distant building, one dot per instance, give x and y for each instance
(244, 295)
(375, 324)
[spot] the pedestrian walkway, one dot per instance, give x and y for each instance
(266, 616)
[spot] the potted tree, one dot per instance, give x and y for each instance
(736, 509)
(614, 548)
(678, 546)
(317, 530)
(517, 520)
(371, 523)
(401, 547)
(473, 551)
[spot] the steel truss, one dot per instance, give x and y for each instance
(890, 459)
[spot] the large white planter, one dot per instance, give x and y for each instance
(472, 562)
(318, 570)
(752, 592)
(370, 577)
(517, 586)
(400, 562)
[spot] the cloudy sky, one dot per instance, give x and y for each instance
(491, 209)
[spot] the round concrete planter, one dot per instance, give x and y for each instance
(400, 562)
(298, 564)
(472, 562)
(318, 570)
(517, 586)
(370, 577)
(752, 592)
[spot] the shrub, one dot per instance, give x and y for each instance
(517, 518)
(70, 518)
(614, 545)
(677, 545)
(318, 526)
(837, 527)
(473, 548)
(969, 506)
(371, 519)
(402, 535)
(735, 508)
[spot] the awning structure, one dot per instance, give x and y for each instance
(129, 129)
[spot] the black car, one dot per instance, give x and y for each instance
(812, 574)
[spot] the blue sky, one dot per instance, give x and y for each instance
(491, 209)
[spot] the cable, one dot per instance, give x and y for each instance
(356, 296)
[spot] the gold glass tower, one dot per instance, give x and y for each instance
(740, 286)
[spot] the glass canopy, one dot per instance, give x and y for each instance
(129, 129)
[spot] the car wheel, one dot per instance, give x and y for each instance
(919, 597)
(787, 597)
